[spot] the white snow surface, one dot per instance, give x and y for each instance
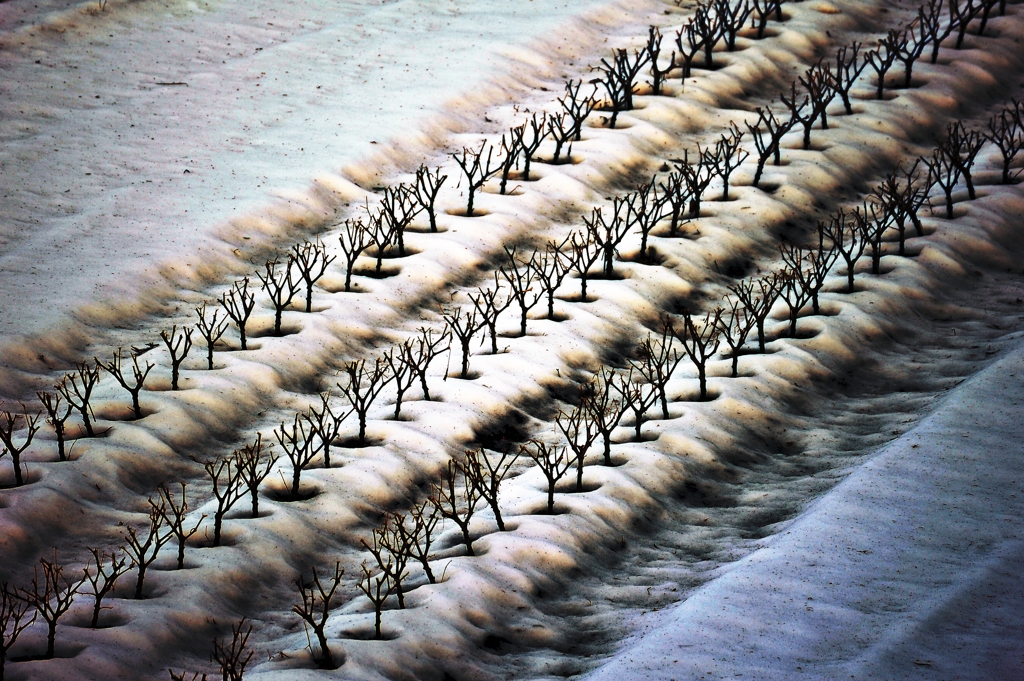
(908, 569)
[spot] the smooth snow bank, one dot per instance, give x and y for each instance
(910, 568)
(134, 142)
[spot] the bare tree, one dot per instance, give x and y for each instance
(658, 74)
(767, 132)
(700, 341)
(708, 25)
(734, 14)
(758, 301)
(552, 266)
(553, 462)
(254, 464)
(762, 11)
(233, 657)
(882, 58)
(522, 279)
(175, 512)
(690, 44)
(463, 324)
(961, 14)
(226, 478)
(578, 427)
(911, 49)
(424, 350)
(104, 577)
(238, 302)
(511, 149)
(673, 193)
(312, 261)
(296, 441)
(848, 240)
(402, 370)
(848, 69)
(178, 345)
(477, 168)
(77, 395)
(793, 291)
(456, 499)
(735, 325)
(211, 330)
(58, 411)
(143, 552)
(607, 234)
(487, 474)
(585, 254)
(962, 146)
(902, 195)
(378, 589)
(637, 396)
(391, 551)
(315, 608)
(354, 240)
(657, 359)
(605, 411)
(489, 304)
(399, 206)
(930, 16)
(728, 156)
(418, 538)
(942, 171)
(577, 108)
(697, 176)
(115, 368)
(560, 129)
(382, 235)
(646, 212)
(280, 285)
(534, 131)
(619, 79)
(14, 619)
(8, 420)
(428, 186)
(819, 83)
(1006, 131)
(362, 386)
(51, 596)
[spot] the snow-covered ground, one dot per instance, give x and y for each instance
(826, 470)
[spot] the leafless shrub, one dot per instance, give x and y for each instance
(184, 676)
(51, 596)
(962, 146)
(762, 11)
(605, 411)
(942, 171)
(552, 461)
(636, 395)
(767, 132)
(849, 241)
(233, 657)
(511, 150)
(986, 10)
(311, 260)
(758, 299)
(793, 291)
(700, 340)
(315, 608)
(211, 330)
(902, 195)
(254, 464)
(77, 395)
(657, 359)
(872, 221)
(552, 266)
(645, 212)
(819, 83)
(58, 411)
(477, 168)
(8, 420)
(109, 568)
(14, 619)
(848, 69)
(697, 176)
(390, 548)
(560, 129)
(398, 207)
(418, 534)
(911, 49)
(690, 44)
(297, 443)
(424, 350)
(733, 15)
(884, 56)
(1006, 131)
(727, 157)
(930, 16)
(178, 345)
(428, 185)
(607, 234)
(490, 303)
(735, 325)
(457, 499)
(464, 325)
(361, 387)
(226, 478)
(523, 281)
(534, 131)
(580, 432)
(961, 15)
(487, 474)
(619, 79)
(143, 552)
(708, 25)
(576, 107)
(354, 239)
(238, 302)
(175, 513)
(673, 193)
(280, 284)
(115, 368)
(325, 426)
(378, 588)
(585, 254)
(658, 74)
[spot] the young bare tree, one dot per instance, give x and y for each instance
(553, 462)
(489, 304)
(561, 132)
(175, 513)
(645, 212)
(8, 421)
(398, 207)
(477, 166)
(377, 588)
(735, 325)
(657, 359)
(534, 131)
(325, 426)
(178, 345)
(464, 325)
(884, 56)
(511, 149)
(658, 74)
(425, 349)
(143, 551)
(226, 479)
(911, 49)
(690, 43)
(673, 194)
(944, 172)
(848, 240)
(280, 285)
(619, 79)
(962, 146)
(931, 16)
(901, 195)
(428, 186)
(487, 473)
(793, 291)
(605, 411)
(296, 441)
(211, 330)
(354, 240)
(580, 432)
(116, 368)
(961, 14)
(819, 84)
(552, 266)
(402, 371)
(78, 396)
(636, 395)
(254, 464)
(700, 340)
(52, 596)
(728, 157)
(708, 25)
(762, 11)
(315, 608)
(58, 411)
(456, 499)
(607, 234)
(697, 176)
(382, 236)
(16, 615)
(238, 302)
(109, 568)
(848, 68)
(734, 14)
(872, 221)
(758, 300)
(585, 254)
(311, 260)
(390, 549)
(522, 279)
(767, 132)
(1006, 132)
(362, 385)
(233, 657)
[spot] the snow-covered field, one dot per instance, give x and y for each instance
(844, 506)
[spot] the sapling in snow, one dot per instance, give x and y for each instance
(355, 239)
(580, 432)
(486, 473)
(311, 260)
(700, 340)
(619, 79)
(727, 157)
(175, 513)
(533, 132)
(457, 499)
(238, 302)
(884, 56)
(402, 370)
(398, 207)
(911, 49)
(427, 347)
(690, 44)
(849, 241)
(254, 463)
(511, 149)
(427, 187)
(552, 266)
(553, 462)
(382, 235)
(389, 547)
(707, 23)
(233, 656)
(735, 324)
(657, 359)
(576, 107)
(560, 129)
(58, 411)
(1006, 132)
(697, 176)
(226, 479)
(296, 441)
(490, 303)
(77, 395)
(585, 254)
(102, 574)
(819, 84)
(315, 607)
(361, 385)
(523, 282)
(646, 211)
(733, 14)
(477, 166)
(16, 615)
(761, 12)
(325, 426)
(794, 290)
(637, 395)
(143, 549)
(848, 67)
(607, 234)
(280, 284)
(605, 410)
(418, 534)
(901, 195)
(178, 344)
(211, 329)
(377, 588)
(115, 367)
(962, 147)
(766, 131)
(52, 595)
(8, 421)
(673, 192)
(463, 324)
